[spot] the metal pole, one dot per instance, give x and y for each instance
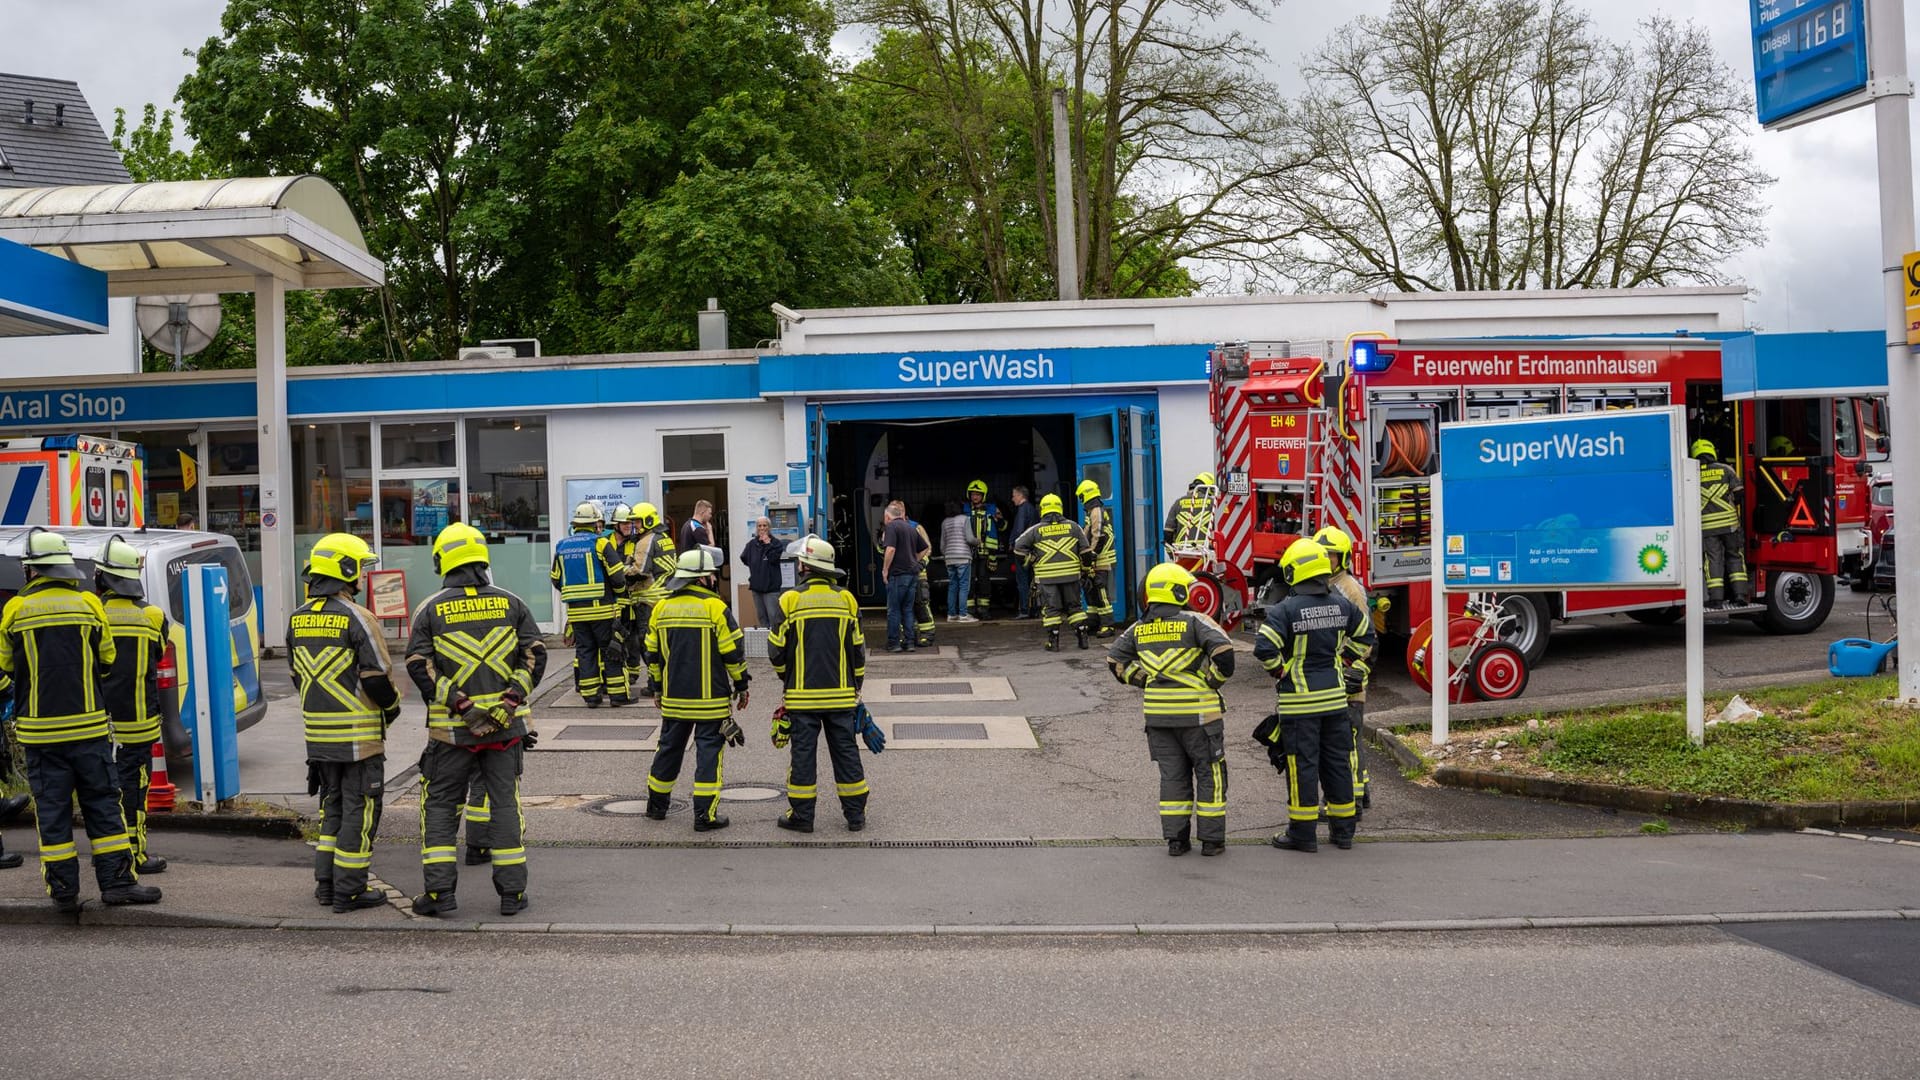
(1887, 57)
(1069, 262)
(1691, 558)
(1440, 645)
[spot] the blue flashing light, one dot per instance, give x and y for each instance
(1366, 356)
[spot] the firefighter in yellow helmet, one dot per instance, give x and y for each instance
(986, 522)
(344, 677)
(1180, 658)
(1189, 526)
(1723, 540)
(132, 684)
(652, 565)
(623, 533)
(56, 645)
(475, 654)
(1098, 525)
(1058, 549)
(1307, 642)
(698, 667)
(590, 576)
(1359, 669)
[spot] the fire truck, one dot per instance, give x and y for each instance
(72, 480)
(1302, 443)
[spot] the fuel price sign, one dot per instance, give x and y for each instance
(1806, 53)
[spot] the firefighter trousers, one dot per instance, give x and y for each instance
(1319, 754)
(1726, 554)
(709, 757)
(55, 774)
(923, 612)
(1356, 719)
(1100, 602)
(133, 769)
(479, 809)
(350, 797)
(598, 666)
(1193, 780)
(635, 620)
(843, 748)
(1060, 603)
(447, 774)
(981, 598)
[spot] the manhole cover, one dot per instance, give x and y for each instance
(933, 688)
(902, 730)
(751, 793)
(605, 732)
(632, 807)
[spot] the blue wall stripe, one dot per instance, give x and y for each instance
(25, 484)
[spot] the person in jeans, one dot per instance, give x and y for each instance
(901, 568)
(1025, 516)
(957, 546)
(762, 556)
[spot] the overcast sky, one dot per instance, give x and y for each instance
(1819, 270)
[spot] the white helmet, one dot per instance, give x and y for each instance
(816, 553)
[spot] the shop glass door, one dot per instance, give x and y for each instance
(1096, 457)
(412, 511)
(234, 508)
(1141, 436)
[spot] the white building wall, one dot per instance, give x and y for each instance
(1186, 440)
(116, 352)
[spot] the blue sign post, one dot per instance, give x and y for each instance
(209, 715)
(1807, 53)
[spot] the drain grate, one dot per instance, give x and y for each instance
(932, 688)
(904, 730)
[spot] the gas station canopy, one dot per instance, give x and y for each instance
(192, 236)
(42, 295)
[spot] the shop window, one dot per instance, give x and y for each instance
(232, 453)
(165, 481)
(1846, 433)
(332, 482)
(417, 446)
(507, 500)
(1096, 434)
(412, 513)
(702, 452)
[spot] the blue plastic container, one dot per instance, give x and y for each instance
(1855, 658)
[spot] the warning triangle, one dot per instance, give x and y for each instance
(1802, 516)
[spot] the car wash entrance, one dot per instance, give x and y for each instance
(925, 453)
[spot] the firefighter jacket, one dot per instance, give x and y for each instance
(344, 676)
(695, 655)
(658, 559)
(1099, 528)
(818, 650)
(985, 521)
(56, 645)
(1056, 547)
(1720, 492)
(1306, 644)
(1358, 671)
(627, 550)
(476, 639)
(1180, 658)
(588, 571)
(1189, 523)
(133, 682)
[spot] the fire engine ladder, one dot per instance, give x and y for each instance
(1319, 427)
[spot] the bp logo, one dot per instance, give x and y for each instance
(1653, 559)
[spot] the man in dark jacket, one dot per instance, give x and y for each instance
(1025, 516)
(762, 557)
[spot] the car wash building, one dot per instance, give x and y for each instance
(849, 410)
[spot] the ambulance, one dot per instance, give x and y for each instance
(72, 480)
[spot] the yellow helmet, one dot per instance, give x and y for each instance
(1204, 479)
(1051, 504)
(1702, 448)
(647, 514)
(1780, 446)
(587, 514)
(48, 553)
(459, 544)
(1338, 544)
(1169, 583)
(1088, 491)
(1304, 560)
(977, 487)
(340, 556)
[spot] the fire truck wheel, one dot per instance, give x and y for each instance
(1498, 672)
(1663, 616)
(1797, 603)
(1531, 625)
(1205, 595)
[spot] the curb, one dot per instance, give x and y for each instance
(1749, 812)
(1493, 711)
(18, 912)
(271, 828)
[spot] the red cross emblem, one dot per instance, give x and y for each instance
(119, 504)
(96, 502)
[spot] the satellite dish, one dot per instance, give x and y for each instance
(181, 325)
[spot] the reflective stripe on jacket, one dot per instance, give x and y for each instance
(1190, 522)
(133, 682)
(588, 571)
(1056, 546)
(56, 645)
(695, 655)
(477, 640)
(1719, 498)
(818, 649)
(1362, 665)
(1305, 644)
(332, 643)
(1170, 654)
(659, 560)
(1100, 534)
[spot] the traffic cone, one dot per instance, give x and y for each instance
(160, 790)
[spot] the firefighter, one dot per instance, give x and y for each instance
(1099, 584)
(653, 563)
(1189, 527)
(56, 646)
(821, 657)
(476, 655)
(984, 519)
(623, 533)
(1359, 669)
(697, 666)
(132, 685)
(923, 593)
(1722, 539)
(347, 701)
(590, 577)
(1058, 550)
(1306, 644)
(1180, 658)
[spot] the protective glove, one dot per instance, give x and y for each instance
(740, 694)
(730, 731)
(530, 740)
(314, 783)
(388, 715)
(868, 731)
(1353, 683)
(567, 638)
(460, 704)
(513, 699)
(782, 728)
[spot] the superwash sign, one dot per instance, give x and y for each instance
(1562, 502)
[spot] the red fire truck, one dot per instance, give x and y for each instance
(1303, 443)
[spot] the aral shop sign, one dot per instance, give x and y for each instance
(65, 405)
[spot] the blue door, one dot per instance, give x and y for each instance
(1140, 436)
(1099, 457)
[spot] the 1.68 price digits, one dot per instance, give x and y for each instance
(1829, 25)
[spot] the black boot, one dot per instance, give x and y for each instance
(1053, 641)
(323, 892)
(9, 860)
(1213, 847)
(1289, 842)
(513, 903)
(130, 894)
(793, 824)
(67, 905)
(152, 864)
(1080, 636)
(1179, 845)
(435, 903)
(719, 821)
(11, 807)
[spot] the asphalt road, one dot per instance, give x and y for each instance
(1699, 1003)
